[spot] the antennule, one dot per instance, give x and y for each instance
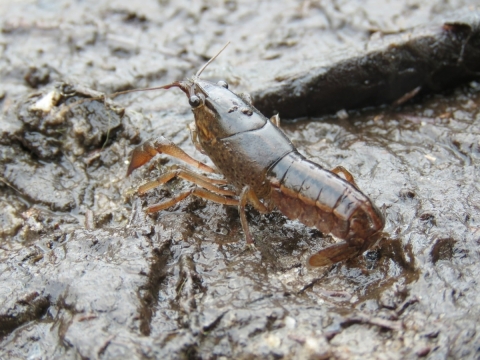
(209, 61)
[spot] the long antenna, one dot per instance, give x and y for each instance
(168, 86)
(199, 72)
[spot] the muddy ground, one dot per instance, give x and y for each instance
(85, 273)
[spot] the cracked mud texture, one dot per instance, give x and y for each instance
(85, 273)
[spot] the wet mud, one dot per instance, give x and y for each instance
(85, 273)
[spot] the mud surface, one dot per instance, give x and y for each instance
(85, 273)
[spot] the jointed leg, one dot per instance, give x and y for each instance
(218, 195)
(333, 254)
(243, 218)
(346, 174)
(255, 201)
(198, 179)
(161, 145)
(194, 136)
(202, 193)
(249, 195)
(343, 250)
(220, 199)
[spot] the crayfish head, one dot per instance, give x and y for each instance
(220, 113)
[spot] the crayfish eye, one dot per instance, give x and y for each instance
(222, 84)
(195, 101)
